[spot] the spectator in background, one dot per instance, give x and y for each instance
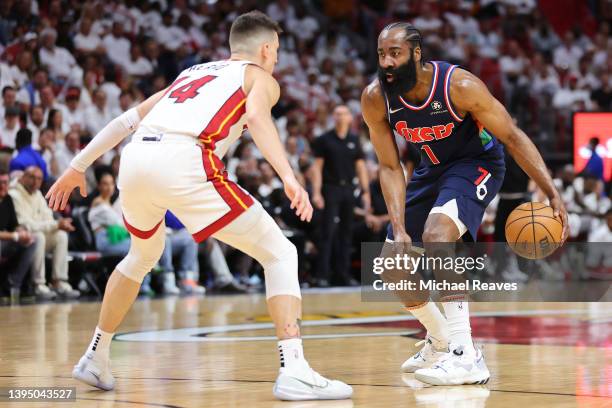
(15, 243)
(59, 61)
(68, 150)
(86, 41)
(603, 95)
(49, 102)
(9, 128)
(36, 123)
(116, 45)
(180, 242)
(105, 217)
(9, 99)
(372, 225)
(55, 122)
(570, 98)
(74, 117)
(137, 65)
(567, 55)
(544, 39)
(339, 159)
(488, 40)
(48, 147)
(51, 235)
(98, 115)
(29, 94)
(26, 155)
(169, 35)
(595, 165)
(20, 72)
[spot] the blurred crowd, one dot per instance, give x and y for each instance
(68, 67)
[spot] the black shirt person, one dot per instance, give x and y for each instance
(338, 159)
(15, 244)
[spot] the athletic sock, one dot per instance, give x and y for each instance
(430, 316)
(458, 321)
(100, 344)
(292, 355)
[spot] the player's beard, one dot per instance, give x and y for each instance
(404, 77)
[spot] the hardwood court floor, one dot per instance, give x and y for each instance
(540, 355)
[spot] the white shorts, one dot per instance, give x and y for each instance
(174, 173)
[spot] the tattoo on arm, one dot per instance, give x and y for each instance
(292, 330)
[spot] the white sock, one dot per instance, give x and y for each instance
(458, 320)
(434, 321)
(291, 354)
(100, 344)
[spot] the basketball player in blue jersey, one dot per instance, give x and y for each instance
(459, 127)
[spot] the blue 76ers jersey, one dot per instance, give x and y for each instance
(436, 129)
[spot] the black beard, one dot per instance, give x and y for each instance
(404, 78)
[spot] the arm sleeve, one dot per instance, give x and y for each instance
(113, 133)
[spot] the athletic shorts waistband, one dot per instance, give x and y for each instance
(163, 138)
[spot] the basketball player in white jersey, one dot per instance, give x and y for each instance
(174, 163)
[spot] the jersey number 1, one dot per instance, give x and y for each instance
(190, 89)
(430, 154)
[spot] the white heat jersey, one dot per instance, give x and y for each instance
(206, 101)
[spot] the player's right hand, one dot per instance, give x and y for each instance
(60, 191)
(299, 199)
(559, 211)
(402, 236)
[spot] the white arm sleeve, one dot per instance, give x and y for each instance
(113, 133)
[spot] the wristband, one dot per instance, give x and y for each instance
(15, 236)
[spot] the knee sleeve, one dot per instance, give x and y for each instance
(143, 255)
(280, 264)
(256, 234)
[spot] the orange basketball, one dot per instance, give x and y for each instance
(532, 231)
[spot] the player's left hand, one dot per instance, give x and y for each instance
(559, 211)
(60, 191)
(299, 199)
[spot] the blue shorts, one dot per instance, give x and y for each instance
(472, 183)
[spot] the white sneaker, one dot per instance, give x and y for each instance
(94, 373)
(309, 385)
(64, 289)
(169, 287)
(43, 292)
(458, 367)
(424, 358)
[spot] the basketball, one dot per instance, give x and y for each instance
(532, 230)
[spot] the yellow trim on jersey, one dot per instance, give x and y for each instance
(227, 118)
(222, 180)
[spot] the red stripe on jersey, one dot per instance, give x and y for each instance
(217, 225)
(140, 233)
(244, 197)
(237, 200)
(227, 116)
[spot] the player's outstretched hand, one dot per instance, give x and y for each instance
(60, 191)
(299, 199)
(559, 211)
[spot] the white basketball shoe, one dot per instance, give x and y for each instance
(427, 356)
(94, 373)
(460, 366)
(307, 384)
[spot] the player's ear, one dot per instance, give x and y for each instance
(416, 54)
